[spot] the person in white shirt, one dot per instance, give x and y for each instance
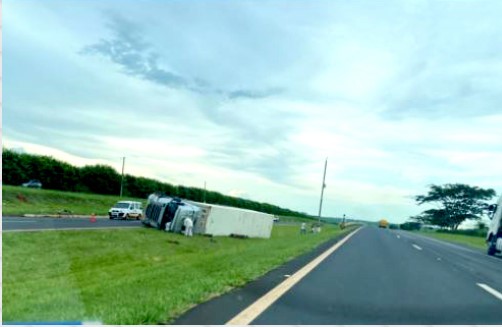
(303, 228)
(188, 227)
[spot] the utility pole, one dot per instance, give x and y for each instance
(204, 191)
(322, 188)
(122, 180)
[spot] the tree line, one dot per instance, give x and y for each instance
(454, 204)
(54, 174)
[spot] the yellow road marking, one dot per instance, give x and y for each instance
(254, 310)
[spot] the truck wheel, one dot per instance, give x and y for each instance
(491, 248)
(138, 217)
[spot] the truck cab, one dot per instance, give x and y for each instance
(383, 223)
(167, 213)
(494, 235)
(156, 208)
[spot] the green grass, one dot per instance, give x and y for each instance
(474, 241)
(290, 219)
(308, 221)
(51, 202)
(134, 276)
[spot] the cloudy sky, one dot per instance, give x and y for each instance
(252, 96)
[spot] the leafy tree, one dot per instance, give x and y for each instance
(18, 168)
(13, 170)
(410, 226)
(100, 179)
(456, 203)
(481, 225)
(436, 217)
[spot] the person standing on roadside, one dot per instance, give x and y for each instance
(303, 228)
(188, 227)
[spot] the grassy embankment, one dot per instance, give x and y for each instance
(473, 241)
(139, 276)
(20, 200)
(289, 219)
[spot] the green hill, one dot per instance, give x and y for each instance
(20, 200)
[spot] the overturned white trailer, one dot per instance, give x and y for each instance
(166, 213)
(219, 220)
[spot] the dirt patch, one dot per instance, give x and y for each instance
(21, 197)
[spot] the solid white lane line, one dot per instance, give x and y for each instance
(66, 228)
(254, 310)
(490, 290)
(417, 247)
(18, 221)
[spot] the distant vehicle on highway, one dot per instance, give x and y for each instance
(125, 210)
(494, 235)
(34, 183)
(383, 223)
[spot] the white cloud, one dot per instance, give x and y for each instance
(395, 98)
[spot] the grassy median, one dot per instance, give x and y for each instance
(473, 241)
(139, 276)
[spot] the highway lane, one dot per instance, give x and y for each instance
(460, 258)
(33, 224)
(380, 278)
(376, 277)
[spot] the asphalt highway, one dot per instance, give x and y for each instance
(381, 277)
(33, 224)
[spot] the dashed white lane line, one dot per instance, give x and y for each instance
(490, 290)
(254, 310)
(417, 247)
(398, 236)
(410, 236)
